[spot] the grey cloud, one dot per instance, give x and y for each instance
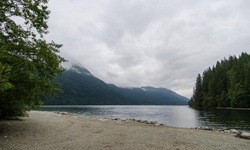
(159, 43)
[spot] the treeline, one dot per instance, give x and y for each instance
(225, 85)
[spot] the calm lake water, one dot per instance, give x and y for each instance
(177, 116)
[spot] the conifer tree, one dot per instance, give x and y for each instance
(198, 92)
(225, 85)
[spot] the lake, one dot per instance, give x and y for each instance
(177, 116)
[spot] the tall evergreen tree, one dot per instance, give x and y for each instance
(198, 92)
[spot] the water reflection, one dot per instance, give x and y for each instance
(237, 119)
(178, 116)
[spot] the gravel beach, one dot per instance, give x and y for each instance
(52, 131)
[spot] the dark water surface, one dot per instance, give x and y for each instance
(177, 116)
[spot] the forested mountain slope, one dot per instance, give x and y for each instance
(82, 88)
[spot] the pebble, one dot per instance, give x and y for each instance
(236, 133)
(10, 124)
(62, 113)
(138, 120)
(245, 135)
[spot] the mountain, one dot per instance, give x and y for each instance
(82, 88)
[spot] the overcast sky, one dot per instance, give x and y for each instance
(160, 43)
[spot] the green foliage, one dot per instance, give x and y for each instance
(28, 63)
(4, 80)
(225, 85)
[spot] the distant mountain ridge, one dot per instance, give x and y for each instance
(82, 88)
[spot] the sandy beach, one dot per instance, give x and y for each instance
(51, 131)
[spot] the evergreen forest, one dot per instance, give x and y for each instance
(227, 84)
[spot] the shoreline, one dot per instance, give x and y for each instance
(232, 108)
(153, 121)
(50, 130)
(231, 131)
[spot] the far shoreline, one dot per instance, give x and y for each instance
(232, 108)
